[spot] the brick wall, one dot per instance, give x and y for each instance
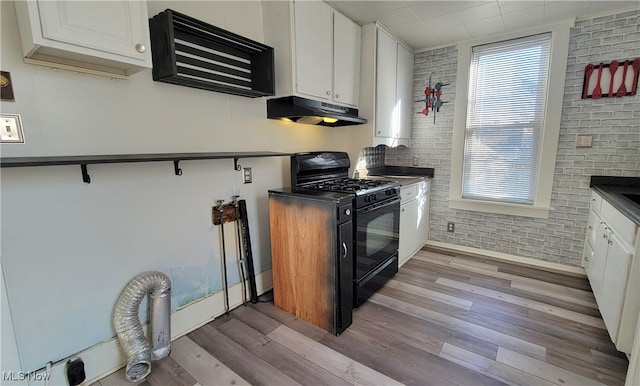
(613, 122)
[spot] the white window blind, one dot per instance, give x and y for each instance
(505, 116)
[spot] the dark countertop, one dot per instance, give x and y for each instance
(313, 194)
(400, 171)
(402, 180)
(613, 189)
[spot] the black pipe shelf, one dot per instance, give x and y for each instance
(84, 160)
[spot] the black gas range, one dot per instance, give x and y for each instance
(376, 220)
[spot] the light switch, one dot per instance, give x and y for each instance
(11, 129)
(584, 140)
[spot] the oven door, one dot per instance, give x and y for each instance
(377, 229)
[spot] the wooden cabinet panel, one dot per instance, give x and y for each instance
(312, 260)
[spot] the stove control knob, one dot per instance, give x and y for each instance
(373, 197)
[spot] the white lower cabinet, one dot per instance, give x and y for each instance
(414, 219)
(612, 269)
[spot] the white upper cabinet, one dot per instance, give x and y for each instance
(104, 37)
(314, 48)
(387, 115)
(346, 60)
(386, 86)
(317, 51)
(404, 92)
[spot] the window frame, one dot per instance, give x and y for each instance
(551, 128)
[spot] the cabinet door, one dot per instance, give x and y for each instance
(346, 61)
(423, 220)
(314, 48)
(614, 283)
(121, 26)
(408, 230)
(387, 113)
(599, 259)
(404, 92)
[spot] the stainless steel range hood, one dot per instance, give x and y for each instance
(308, 111)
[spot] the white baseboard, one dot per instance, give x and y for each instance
(106, 357)
(524, 261)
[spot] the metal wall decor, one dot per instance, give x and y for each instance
(618, 78)
(432, 99)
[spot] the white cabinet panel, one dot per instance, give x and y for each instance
(386, 86)
(317, 51)
(387, 113)
(314, 48)
(346, 60)
(614, 283)
(404, 92)
(612, 268)
(414, 219)
(68, 34)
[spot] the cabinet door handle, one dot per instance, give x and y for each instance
(586, 258)
(337, 96)
(345, 251)
(140, 48)
(328, 92)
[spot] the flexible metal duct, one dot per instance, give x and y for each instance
(136, 347)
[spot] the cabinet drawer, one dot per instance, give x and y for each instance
(408, 192)
(619, 223)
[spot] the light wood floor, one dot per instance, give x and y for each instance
(445, 319)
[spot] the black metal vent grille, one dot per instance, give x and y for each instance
(189, 52)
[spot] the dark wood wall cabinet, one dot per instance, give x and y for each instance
(312, 256)
(188, 52)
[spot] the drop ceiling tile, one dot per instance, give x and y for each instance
(524, 18)
(478, 12)
(453, 34)
(378, 8)
(430, 9)
(413, 33)
(508, 6)
(484, 27)
(561, 10)
(606, 6)
(397, 16)
(354, 11)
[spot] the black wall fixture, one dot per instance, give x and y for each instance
(189, 52)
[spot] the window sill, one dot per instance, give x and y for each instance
(501, 208)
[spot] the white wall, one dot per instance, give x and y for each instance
(69, 248)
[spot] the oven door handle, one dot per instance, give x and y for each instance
(379, 205)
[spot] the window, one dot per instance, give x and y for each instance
(507, 88)
(506, 128)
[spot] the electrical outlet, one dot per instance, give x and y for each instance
(416, 160)
(451, 226)
(246, 175)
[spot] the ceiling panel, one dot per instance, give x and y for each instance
(427, 24)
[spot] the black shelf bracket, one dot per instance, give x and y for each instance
(84, 160)
(85, 175)
(176, 168)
